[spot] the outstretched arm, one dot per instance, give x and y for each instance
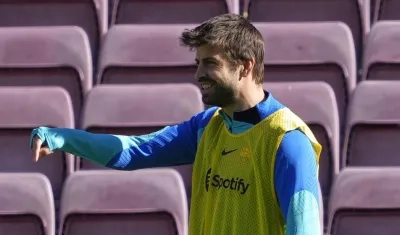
(297, 186)
(172, 145)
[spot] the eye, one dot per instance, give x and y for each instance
(211, 63)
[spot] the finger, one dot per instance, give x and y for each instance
(44, 151)
(37, 143)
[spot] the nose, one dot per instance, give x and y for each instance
(200, 72)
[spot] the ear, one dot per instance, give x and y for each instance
(247, 68)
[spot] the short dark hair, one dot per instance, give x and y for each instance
(239, 39)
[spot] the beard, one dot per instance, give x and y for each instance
(219, 94)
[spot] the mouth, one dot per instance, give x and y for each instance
(206, 85)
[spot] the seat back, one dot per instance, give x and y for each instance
(354, 13)
(311, 52)
(365, 201)
(146, 54)
(372, 131)
(139, 110)
(90, 15)
(385, 10)
(26, 204)
(47, 56)
(171, 11)
(315, 104)
(381, 61)
(150, 201)
(24, 108)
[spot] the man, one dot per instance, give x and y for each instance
(255, 162)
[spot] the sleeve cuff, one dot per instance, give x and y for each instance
(42, 133)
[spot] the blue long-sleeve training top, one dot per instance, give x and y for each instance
(296, 177)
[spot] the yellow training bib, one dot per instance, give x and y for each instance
(233, 189)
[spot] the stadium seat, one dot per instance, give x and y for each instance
(381, 60)
(140, 109)
(146, 202)
(311, 52)
(111, 4)
(354, 13)
(146, 54)
(384, 10)
(315, 103)
(373, 132)
(24, 108)
(171, 11)
(366, 201)
(47, 56)
(90, 15)
(26, 204)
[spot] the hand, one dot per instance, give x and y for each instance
(38, 149)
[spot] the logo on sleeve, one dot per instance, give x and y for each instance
(222, 183)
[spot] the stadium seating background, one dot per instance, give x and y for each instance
(117, 67)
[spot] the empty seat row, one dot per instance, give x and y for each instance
(140, 109)
(92, 15)
(133, 54)
(150, 201)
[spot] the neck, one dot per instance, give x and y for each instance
(245, 100)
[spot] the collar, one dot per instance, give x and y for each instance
(259, 112)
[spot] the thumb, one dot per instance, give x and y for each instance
(44, 151)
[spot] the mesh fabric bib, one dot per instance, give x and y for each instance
(233, 189)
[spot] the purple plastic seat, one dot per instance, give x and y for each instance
(170, 11)
(26, 204)
(24, 108)
(366, 201)
(47, 56)
(354, 13)
(146, 54)
(315, 103)
(90, 15)
(381, 60)
(140, 109)
(311, 52)
(384, 10)
(373, 131)
(146, 202)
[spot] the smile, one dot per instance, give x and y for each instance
(206, 85)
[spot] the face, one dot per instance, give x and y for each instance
(218, 80)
